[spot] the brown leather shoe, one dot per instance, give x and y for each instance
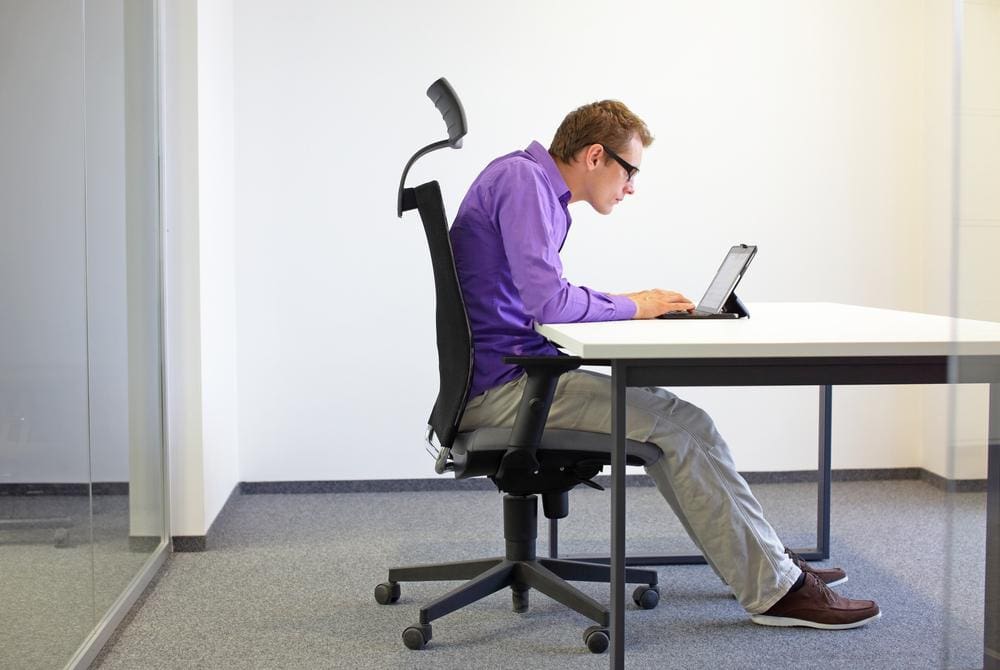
(829, 576)
(816, 605)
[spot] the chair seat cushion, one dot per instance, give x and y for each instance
(478, 452)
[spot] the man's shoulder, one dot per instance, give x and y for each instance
(515, 174)
(509, 180)
(514, 164)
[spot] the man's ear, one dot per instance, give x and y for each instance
(592, 156)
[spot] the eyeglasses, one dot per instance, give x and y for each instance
(630, 170)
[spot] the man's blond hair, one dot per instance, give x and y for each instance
(607, 122)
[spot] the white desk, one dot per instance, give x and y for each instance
(783, 330)
(817, 344)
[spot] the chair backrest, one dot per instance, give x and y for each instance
(454, 335)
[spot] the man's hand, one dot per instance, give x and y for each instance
(654, 302)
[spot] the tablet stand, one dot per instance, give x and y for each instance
(734, 305)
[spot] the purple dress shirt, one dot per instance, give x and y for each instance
(506, 239)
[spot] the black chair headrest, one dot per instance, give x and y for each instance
(446, 100)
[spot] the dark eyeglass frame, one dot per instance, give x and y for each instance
(630, 170)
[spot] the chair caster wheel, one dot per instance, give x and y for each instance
(417, 637)
(387, 593)
(61, 538)
(597, 639)
(519, 600)
(646, 597)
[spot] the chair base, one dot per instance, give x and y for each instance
(520, 570)
(548, 575)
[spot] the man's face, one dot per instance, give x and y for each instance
(610, 181)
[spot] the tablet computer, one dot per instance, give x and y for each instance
(720, 301)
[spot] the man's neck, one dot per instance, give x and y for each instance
(571, 175)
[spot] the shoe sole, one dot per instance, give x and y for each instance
(788, 622)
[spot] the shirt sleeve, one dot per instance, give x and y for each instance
(532, 225)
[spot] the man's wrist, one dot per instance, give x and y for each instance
(625, 307)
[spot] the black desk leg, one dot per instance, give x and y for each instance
(823, 494)
(821, 552)
(991, 627)
(618, 409)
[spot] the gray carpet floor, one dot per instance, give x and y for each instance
(288, 584)
(51, 597)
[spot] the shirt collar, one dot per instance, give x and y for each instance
(543, 158)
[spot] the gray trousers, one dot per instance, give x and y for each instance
(696, 475)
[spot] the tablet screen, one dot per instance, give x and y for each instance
(725, 280)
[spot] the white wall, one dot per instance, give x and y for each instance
(974, 272)
(199, 260)
(218, 252)
(62, 244)
(105, 244)
(182, 306)
(960, 265)
(43, 352)
(798, 126)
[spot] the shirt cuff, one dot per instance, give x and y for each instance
(625, 308)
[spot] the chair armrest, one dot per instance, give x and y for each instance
(533, 411)
(543, 375)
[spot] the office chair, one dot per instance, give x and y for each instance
(524, 462)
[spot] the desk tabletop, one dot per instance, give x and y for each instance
(782, 330)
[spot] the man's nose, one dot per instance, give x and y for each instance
(629, 188)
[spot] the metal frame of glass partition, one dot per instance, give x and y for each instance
(963, 46)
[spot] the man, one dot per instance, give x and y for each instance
(506, 239)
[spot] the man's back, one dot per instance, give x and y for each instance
(507, 236)
(501, 326)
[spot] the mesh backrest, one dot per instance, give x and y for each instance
(454, 336)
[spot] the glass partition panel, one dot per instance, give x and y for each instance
(46, 560)
(82, 503)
